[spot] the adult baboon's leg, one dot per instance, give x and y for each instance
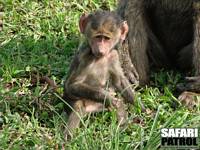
(193, 83)
(185, 58)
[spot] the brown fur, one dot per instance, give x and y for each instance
(163, 34)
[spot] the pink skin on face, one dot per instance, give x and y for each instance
(101, 46)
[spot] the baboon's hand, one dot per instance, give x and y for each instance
(132, 76)
(189, 99)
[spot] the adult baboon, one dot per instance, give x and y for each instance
(163, 33)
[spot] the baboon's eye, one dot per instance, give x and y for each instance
(102, 37)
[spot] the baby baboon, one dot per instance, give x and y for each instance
(96, 63)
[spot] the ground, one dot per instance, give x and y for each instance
(40, 38)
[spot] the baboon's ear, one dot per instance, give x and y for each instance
(124, 30)
(83, 22)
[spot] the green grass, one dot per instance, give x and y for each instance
(41, 37)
